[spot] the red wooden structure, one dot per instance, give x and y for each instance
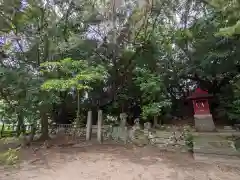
(200, 101)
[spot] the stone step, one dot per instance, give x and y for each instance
(227, 131)
(219, 133)
(214, 144)
(220, 151)
(214, 158)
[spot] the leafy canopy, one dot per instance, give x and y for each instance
(67, 74)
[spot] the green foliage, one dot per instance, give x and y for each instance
(230, 31)
(71, 74)
(150, 83)
(63, 85)
(234, 110)
(154, 108)
(237, 143)
(230, 10)
(233, 107)
(153, 92)
(188, 138)
(4, 110)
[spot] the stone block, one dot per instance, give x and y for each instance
(204, 123)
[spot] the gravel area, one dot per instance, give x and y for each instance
(113, 162)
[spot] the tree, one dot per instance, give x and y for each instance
(229, 10)
(71, 75)
(154, 96)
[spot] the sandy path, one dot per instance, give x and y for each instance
(117, 163)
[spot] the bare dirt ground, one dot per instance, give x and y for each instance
(113, 162)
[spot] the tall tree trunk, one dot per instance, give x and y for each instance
(28, 139)
(19, 124)
(155, 121)
(2, 130)
(33, 132)
(44, 126)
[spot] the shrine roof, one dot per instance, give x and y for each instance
(199, 93)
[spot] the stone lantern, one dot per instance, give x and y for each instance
(202, 116)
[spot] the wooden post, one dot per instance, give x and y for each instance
(89, 126)
(99, 126)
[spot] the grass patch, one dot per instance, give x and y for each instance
(10, 157)
(188, 138)
(235, 140)
(237, 144)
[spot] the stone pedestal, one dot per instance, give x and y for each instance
(147, 127)
(123, 118)
(123, 128)
(204, 123)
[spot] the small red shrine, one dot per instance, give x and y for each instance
(202, 116)
(200, 101)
